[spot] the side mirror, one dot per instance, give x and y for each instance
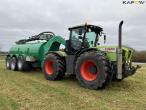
(104, 39)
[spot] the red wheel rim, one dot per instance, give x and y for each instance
(49, 67)
(86, 72)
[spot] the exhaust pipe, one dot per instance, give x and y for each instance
(119, 53)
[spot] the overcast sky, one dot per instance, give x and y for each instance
(23, 18)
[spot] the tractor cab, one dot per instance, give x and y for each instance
(82, 37)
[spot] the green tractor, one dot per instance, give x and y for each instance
(93, 65)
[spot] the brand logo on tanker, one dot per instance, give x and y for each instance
(132, 2)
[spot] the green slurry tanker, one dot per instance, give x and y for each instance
(94, 65)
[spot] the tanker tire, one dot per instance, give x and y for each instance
(8, 62)
(54, 67)
(23, 65)
(102, 70)
(13, 63)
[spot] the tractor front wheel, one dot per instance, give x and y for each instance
(54, 67)
(92, 70)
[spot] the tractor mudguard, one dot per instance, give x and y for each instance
(85, 50)
(60, 53)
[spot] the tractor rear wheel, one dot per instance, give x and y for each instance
(92, 70)
(54, 67)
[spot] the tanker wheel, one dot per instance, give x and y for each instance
(8, 62)
(22, 64)
(92, 70)
(13, 63)
(54, 67)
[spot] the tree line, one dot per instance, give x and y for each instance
(139, 56)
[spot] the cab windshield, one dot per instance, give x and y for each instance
(78, 40)
(90, 39)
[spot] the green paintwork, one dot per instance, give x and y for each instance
(37, 49)
(111, 52)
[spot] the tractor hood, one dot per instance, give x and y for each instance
(111, 52)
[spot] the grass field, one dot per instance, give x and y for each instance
(30, 91)
(2, 57)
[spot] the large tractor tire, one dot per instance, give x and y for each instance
(92, 70)
(8, 62)
(13, 63)
(54, 67)
(22, 64)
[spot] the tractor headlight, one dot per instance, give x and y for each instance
(129, 61)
